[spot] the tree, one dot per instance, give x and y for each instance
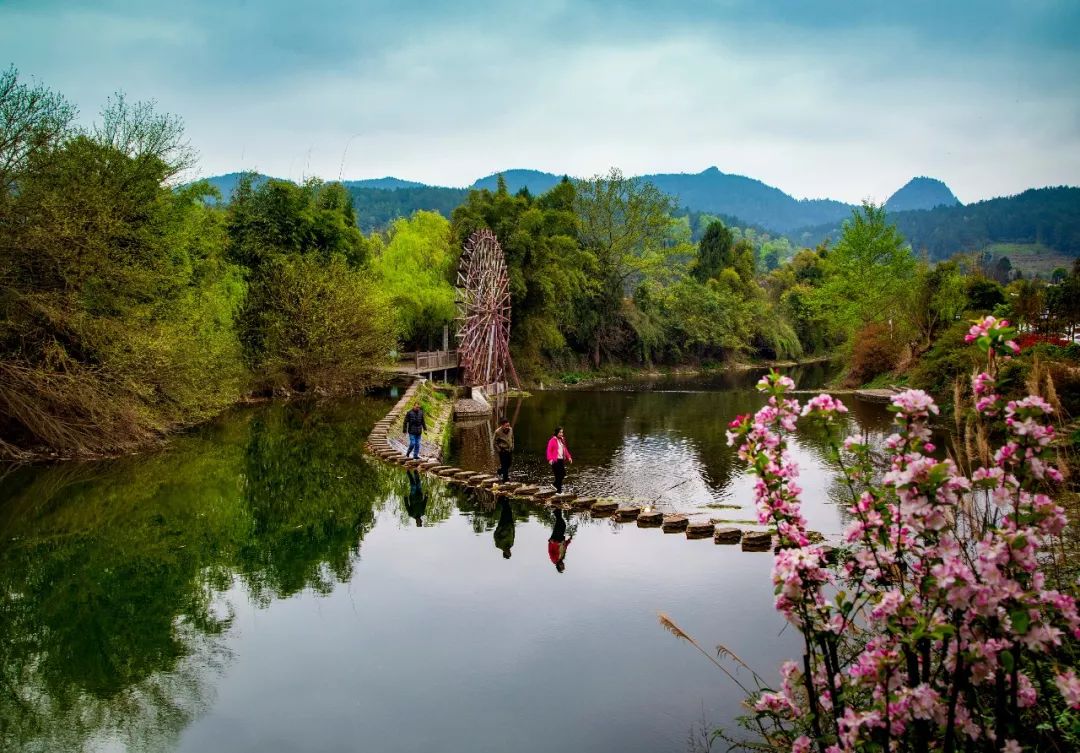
(1002, 270)
(116, 300)
(625, 225)
(414, 269)
(33, 121)
(868, 273)
(714, 252)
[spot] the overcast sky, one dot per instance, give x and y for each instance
(821, 99)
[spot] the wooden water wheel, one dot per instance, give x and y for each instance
(483, 298)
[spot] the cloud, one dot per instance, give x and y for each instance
(812, 98)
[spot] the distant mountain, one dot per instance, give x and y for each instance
(536, 181)
(709, 191)
(921, 193)
(1047, 216)
(387, 182)
(227, 183)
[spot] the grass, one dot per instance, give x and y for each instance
(1030, 258)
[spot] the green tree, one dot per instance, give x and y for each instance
(414, 269)
(318, 325)
(626, 225)
(869, 273)
(115, 296)
(715, 252)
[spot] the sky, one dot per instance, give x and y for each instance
(837, 99)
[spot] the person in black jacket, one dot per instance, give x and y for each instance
(414, 426)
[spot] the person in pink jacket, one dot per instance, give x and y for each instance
(558, 455)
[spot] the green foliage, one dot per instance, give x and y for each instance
(627, 227)
(316, 324)
(116, 298)
(869, 273)
(414, 269)
(714, 252)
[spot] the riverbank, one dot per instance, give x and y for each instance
(617, 373)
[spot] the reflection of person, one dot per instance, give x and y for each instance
(504, 445)
(414, 426)
(558, 455)
(559, 542)
(504, 531)
(417, 504)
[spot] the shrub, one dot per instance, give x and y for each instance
(875, 352)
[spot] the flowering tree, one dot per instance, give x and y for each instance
(938, 630)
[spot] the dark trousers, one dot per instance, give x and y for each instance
(504, 465)
(559, 466)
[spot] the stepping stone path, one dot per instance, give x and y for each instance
(727, 536)
(699, 530)
(650, 519)
(675, 523)
(487, 487)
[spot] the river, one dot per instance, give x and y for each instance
(262, 586)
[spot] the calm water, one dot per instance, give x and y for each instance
(664, 443)
(263, 587)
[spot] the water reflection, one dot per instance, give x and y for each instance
(504, 531)
(662, 442)
(559, 541)
(417, 504)
(112, 573)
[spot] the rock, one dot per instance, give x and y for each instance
(727, 535)
(627, 513)
(828, 553)
(527, 490)
(465, 475)
(489, 483)
(675, 523)
(815, 537)
(650, 519)
(699, 530)
(604, 507)
(563, 499)
(541, 495)
(583, 503)
(757, 541)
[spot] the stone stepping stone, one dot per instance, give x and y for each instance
(543, 494)
(527, 491)
(464, 474)
(650, 519)
(627, 513)
(604, 507)
(414, 463)
(563, 499)
(489, 483)
(757, 541)
(509, 486)
(699, 530)
(675, 523)
(727, 535)
(583, 503)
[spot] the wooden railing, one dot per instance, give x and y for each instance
(435, 360)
